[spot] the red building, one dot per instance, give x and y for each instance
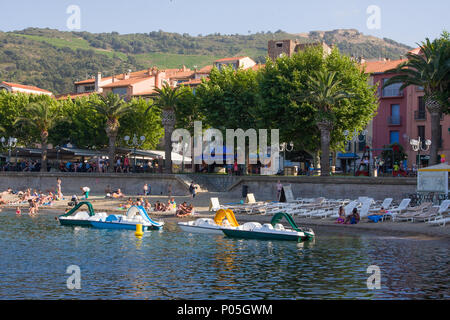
(402, 115)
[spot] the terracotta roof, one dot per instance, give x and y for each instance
(381, 66)
(206, 69)
(22, 86)
(85, 81)
(124, 83)
(230, 59)
(415, 51)
(182, 74)
(194, 81)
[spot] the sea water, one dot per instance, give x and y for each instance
(35, 253)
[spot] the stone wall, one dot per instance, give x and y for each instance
(131, 184)
(264, 188)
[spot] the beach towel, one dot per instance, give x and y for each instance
(375, 218)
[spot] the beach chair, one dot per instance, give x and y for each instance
(411, 212)
(439, 220)
(386, 204)
(425, 215)
(364, 212)
(402, 207)
(214, 204)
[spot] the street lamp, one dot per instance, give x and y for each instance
(134, 143)
(417, 146)
(12, 142)
(356, 137)
(284, 147)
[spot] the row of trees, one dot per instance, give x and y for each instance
(312, 98)
(92, 122)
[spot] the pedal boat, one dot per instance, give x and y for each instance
(135, 215)
(270, 231)
(81, 218)
(223, 218)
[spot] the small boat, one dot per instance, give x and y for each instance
(81, 218)
(135, 215)
(223, 218)
(270, 231)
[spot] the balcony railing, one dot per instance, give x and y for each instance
(394, 120)
(420, 115)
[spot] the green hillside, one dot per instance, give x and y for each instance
(53, 59)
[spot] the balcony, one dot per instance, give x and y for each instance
(420, 115)
(394, 121)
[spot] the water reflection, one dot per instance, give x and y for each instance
(172, 264)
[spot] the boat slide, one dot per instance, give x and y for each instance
(208, 225)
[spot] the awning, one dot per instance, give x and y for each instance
(348, 155)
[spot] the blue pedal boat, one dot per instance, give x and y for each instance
(135, 215)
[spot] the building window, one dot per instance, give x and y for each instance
(279, 44)
(120, 91)
(395, 118)
(394, 137)
(89, 88)
(392, 90)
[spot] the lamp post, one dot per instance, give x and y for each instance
(11, 143)
(134, 143)
(417, 146)
(284, 147)
(355, 137)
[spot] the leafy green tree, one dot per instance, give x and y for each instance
(285, 84)
(112, 107)
(85, 127)
(42, 115)
(430, 69)
(138, 122)
(229, 98)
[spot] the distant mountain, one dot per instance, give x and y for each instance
(53, 59)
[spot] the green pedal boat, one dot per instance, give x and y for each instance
(270, 231)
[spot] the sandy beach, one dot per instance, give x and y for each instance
(201, 205)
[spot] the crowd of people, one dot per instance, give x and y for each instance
(33, 198)
(181, 210)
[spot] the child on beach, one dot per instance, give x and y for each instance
(86, 191)
(18, 212)
(341, 218)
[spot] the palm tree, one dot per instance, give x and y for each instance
(42, 116)
(430, 69)
(325, 92)
(167, 101)
(112, 107)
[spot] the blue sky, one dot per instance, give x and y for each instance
(405, 21)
